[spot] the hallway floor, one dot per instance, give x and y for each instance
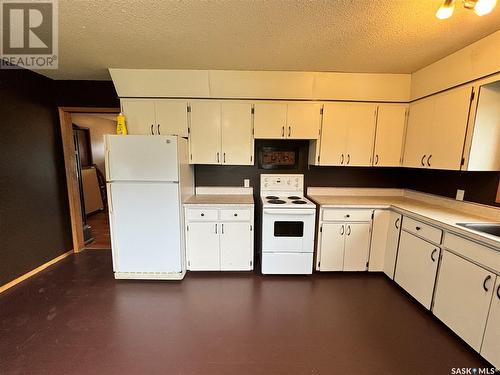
(74, 318)
(99, 227)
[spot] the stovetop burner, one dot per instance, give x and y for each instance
(294, 197)
(299, 202)
(276, 201)
(272, 197)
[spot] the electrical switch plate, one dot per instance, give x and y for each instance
(246, 182)
(460, 195)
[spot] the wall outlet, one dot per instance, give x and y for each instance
(460, 195)
(246, 182)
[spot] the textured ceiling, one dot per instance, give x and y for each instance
(398, 36)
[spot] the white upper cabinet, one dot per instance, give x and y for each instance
(389, 138)
(436, 130)
(205, 132)
(221, 133)
(303, 120)
(171, 117)
(347, 134)
(269, 120)
(156, 117)
(237, 137)
(140, 116)
(279, 120)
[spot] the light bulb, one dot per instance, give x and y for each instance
(483, 7)
(446, 10)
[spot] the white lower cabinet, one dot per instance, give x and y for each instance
(391, 247)
(203, 246)
(491, 341)
(219, 239)
(416, 267)
(343, 245)
(463, 296)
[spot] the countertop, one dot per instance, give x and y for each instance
(432, 213)
(220, 199)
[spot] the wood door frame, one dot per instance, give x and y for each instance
(75, 209)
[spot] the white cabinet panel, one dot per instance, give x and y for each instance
(417, 144)
(391, 250)
(427, 232)
(171, 117)
(491, 342)
(146, 228)
(303, 120)
(416, 267)
(203, 246)
(235, 246)
(205, 136)
(332, 247)
(447, 134)
(391, 124)
(360, 134)
(463, 295)
(337, 214)
(140, 116)
(237, 139)
(378, 245)
(357, 246)
(270, 120)
(334, 134)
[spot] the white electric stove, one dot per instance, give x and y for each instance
(287, 225)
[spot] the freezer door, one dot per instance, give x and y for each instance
(145, 220)
(141, 158)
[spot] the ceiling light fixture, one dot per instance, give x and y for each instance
(480, 7)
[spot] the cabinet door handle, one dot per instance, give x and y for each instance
(429, 160)
(159, 129)
(215, 228)
(397, 223)
(282, 131)
(349, 229)
(484, 283)
(422, 161)
(224, 157)
(218, 159)
(432, 254)
(348, 158)
(342, 230)
(376, 159)
(289, 131)
(498, 292)
(152, 132)
(222, 229)
(342, 159)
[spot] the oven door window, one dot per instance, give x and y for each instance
(288, 229)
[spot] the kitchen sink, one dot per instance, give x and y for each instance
(489, 228)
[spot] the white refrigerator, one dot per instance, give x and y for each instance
(148, 177)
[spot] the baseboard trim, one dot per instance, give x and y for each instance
(21, 278)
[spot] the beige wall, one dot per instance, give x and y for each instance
(98, 126)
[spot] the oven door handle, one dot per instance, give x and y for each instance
(293, 211)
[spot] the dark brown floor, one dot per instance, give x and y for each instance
(76, 319)
(99, 227)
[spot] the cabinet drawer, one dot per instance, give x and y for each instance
(201, 214)
(347, 215)
(235, 215)
(474, 251)
(423, 230)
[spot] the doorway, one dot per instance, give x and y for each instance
(83, 131)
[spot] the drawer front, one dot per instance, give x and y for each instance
(423, 230)
(201, 214)
(347, 215)
(476, 252)
(235, 215)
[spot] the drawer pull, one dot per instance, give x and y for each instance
(347, 216)
(432, 254)
(484, 283)
(202, 214)
(418, 228)
(235, 215)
